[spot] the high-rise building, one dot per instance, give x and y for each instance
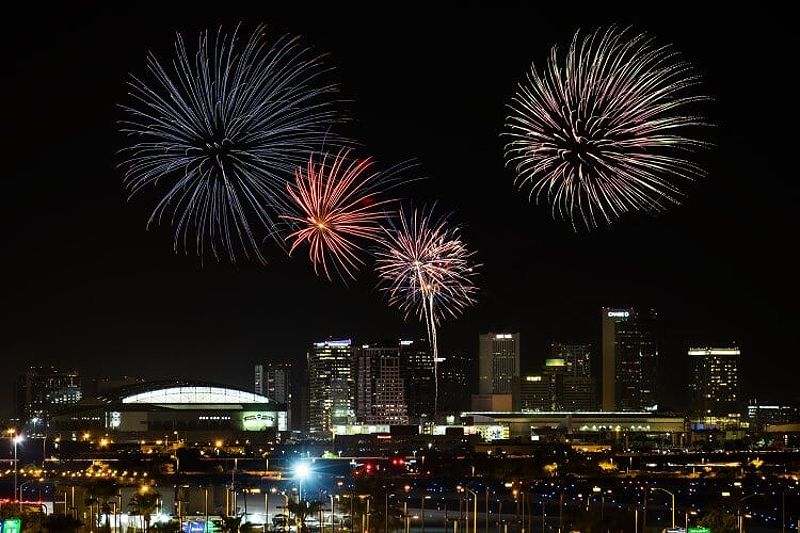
(498, 364)
(714, 385)
(761, 415)
(557, 388)
(455, 383)
(630, 359)
(535, 393)
(577, 393)
(416, 369)
(380, 394)
(274, 380)
(577, 357)
(331, 385)
(41, 391)
(575, 390)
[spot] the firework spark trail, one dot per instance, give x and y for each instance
(602, 131)
(426, 270)
(220, 133)
(338, 210)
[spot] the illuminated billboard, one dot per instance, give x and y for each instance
(257, 421)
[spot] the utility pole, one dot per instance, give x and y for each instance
(486, 522)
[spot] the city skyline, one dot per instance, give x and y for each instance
(89, 289)
(530, 365)
(390, 381)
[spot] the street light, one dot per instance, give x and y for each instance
(16, 439)
(598, 490)
(302, 471)
(273, 490)
(21, 488)
(560, 502)
(286, 518)
(672, 494)
(739, 517)
(474, 509)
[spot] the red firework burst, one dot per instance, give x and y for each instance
(336, 211)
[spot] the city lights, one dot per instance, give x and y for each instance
(630, 373)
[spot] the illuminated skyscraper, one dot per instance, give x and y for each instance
(575, 389)
(577, 357)
(714, 387)
(630, 359)
(274, 380)
(331, 385)
(557, 388)
(380, 394)
(535, 393)
(498, 364)
(40, 391)
(416, 369)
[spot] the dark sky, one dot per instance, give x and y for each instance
(87, 287)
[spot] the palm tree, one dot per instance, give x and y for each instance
(144, 503)
(303, 509)
(100, 491)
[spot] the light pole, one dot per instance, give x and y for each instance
(560, 511)
(739, 516)
(286, 508)
(16, 439)
(21, 487)
(301, 472)
(486, 523)
(425, 497)
(273, 490)
(474, 510)
(205, 510)
(672, 494)
(598, 490)
(333, 515)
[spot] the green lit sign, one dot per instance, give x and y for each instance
(12, 525)
(699, 530)
(554, 362)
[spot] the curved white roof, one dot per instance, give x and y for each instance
(196, 395)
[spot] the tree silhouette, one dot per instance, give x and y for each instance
(303, 509)
(719, 521)
(144, 503)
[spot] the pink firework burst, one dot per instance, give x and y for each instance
(607, 128)
(427, 270)
(337, 211)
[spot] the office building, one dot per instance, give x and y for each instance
(577, 357)
(630, 359)
(535, 393)
(714, 384)
(416, 370)
(498, 364)
(561, 386)
(380, 392)
(761, 415)
(455, 383)
(575, 390)
(41, 391)
(274, 380)
(331, 385)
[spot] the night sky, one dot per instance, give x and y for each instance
(87, 287)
